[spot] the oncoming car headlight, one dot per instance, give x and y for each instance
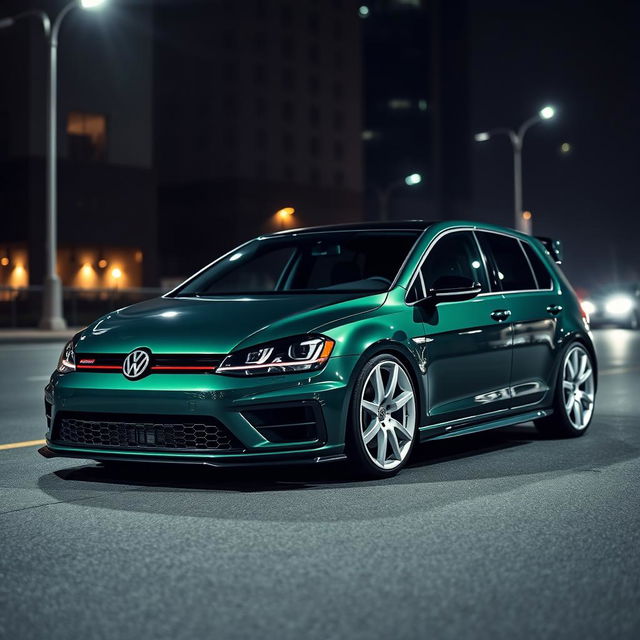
(294, 355)
(67, 360)
(619, 305)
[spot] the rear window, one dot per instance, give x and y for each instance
(541, 272)
(514, 273)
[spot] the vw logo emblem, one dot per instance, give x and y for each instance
(136, 364)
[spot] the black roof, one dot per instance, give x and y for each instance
(363, 226)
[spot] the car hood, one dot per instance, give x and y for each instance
(217, 325)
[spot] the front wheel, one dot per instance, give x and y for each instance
(575, 396)
(382, 426)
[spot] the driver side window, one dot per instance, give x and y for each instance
(453, 256)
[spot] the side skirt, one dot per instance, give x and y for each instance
(442, 431)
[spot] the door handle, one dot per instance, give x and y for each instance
(500, 315)
(554, 309)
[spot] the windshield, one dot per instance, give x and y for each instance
(347, 261)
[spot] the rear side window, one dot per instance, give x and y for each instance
(539, 269)
(514, 273)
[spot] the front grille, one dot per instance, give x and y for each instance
(160, 363)
(143, 432)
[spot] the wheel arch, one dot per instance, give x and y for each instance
(406, 357)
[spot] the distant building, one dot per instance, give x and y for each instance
(258, 107)
(416, 105)
(107, 191)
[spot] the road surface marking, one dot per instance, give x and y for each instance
(17, 445)
(611, 372)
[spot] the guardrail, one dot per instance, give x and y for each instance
(22, 306)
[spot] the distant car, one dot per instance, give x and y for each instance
(321, 344)
(615, 304)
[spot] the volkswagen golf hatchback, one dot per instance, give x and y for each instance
(347, 342)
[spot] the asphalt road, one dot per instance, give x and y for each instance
(497, 535)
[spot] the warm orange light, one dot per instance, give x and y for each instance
(286, 212)
(526, 215)
(102, 263)
(138, 256)
(116, 273)
(4, 261)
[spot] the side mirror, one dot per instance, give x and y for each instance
(453, 289)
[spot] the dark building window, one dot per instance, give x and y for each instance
(338, 178)
(338, 90)
(314, 23)
(259, 73)
(288, 78)
(314, 54)
(314, 175)
(288, 47)
(286, 14)
(314, 84)
(87, 133)
(260, 106)
(314, 146)
(288, 143)
(261, 138)
(287, 111)
(288, 172)
(314, 115)
(260, 42)
(338, 150)
(338, 120)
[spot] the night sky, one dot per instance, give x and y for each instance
(585, 61)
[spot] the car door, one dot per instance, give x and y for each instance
(467, 343)
(534, 303)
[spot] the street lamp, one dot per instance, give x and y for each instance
(52, 317)
(517, 139)
(285, 214)
(384, 195)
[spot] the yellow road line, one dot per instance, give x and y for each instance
(17, 445)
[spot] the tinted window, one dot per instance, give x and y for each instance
(454, 255)
(541, 272)
(514, 273)
(348, 261)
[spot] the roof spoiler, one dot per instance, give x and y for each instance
(554, 247)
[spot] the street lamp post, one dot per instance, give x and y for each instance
(517, 139)
(52, 317)
(384, 195)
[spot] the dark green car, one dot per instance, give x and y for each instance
(312, 345)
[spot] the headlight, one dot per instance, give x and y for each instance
(619, 305)
(294, 355)
(67, 360)
(588, 307)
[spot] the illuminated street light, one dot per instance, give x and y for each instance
(363, 11)
(52, 317)
(547, 113)
(384, 195)
(517, 139)
(414, 178)
(284, 214)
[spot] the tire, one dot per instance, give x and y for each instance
(383, 418)
(574, 397)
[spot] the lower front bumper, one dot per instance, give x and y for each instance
(227, 461)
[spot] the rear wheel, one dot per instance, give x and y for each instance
(382, 428)
(574, 396)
